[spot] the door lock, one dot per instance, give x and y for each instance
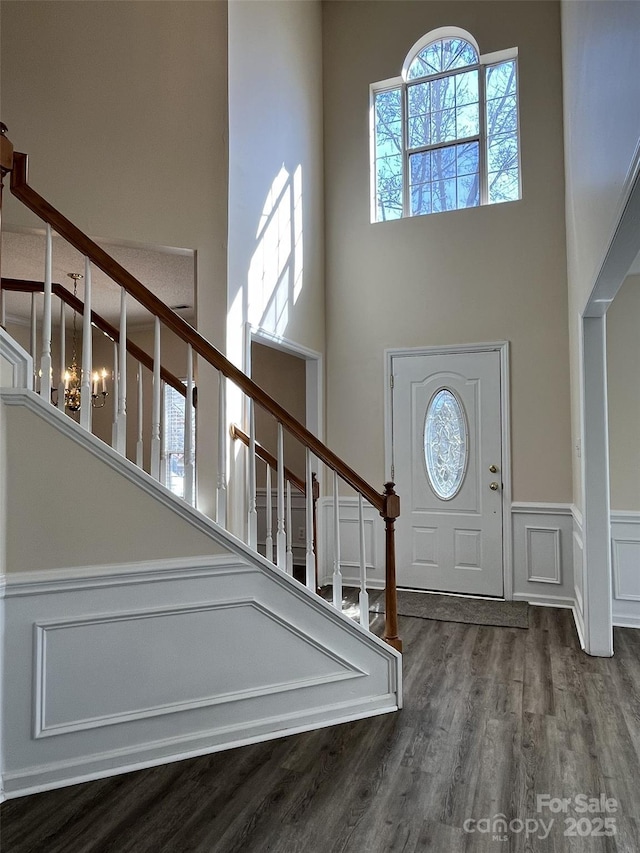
(493, 469)
(494, 487)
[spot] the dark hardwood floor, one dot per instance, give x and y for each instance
(493, 718)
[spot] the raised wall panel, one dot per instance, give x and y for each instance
(117, 668)
(543, 555)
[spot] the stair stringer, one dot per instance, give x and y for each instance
(110, 668)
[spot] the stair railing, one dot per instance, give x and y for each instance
(386, 503)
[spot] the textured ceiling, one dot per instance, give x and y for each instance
(168, 273)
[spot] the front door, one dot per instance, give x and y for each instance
(447, 458)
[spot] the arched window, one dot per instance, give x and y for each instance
(445, 133)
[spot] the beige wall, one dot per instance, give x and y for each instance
(275, 172)
(122, 108)
(91, 515)
(484, 274)
(602, 132)
(283, 377)
(623, 378)
(276, 227)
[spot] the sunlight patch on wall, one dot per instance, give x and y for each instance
(275, 278)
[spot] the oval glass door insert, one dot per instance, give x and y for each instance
(445, 444)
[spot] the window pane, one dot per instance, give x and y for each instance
(420, 167)
(419, 99)
(389, 187)
(468, 191)
(388, 144)
(502, 133)
(501, 79)
(388, 122)
(441, 56)
(445, 179)
(467, 158)
(467, 121)
(504, 186)
(502, 115)
(502, 153)
(443, 93)
(444, 163)
(420, 199)
(456, 53)
(419, 131)
(466, 88)
(443, 126)
(443, 195)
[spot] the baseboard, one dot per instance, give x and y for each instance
(626, 621)
(64, 773)
(544, 600)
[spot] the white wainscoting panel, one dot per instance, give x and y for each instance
(350, 543)
(543, 553)
(110, 669)
(625, 553)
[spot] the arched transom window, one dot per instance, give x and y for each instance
(445, 133)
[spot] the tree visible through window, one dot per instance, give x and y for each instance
(445, 133)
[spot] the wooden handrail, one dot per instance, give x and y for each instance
(387, 504)
(18, 285)
(269, 458)
(87, 247)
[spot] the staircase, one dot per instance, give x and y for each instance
(137, 629)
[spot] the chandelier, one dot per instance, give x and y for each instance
(73, 375)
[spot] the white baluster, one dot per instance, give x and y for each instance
(364, 595)
(121, 425)
(140, 439)
(87, 352)
(189, 450)
(310, 561)
(63, 355)
(3, 308)
(269, 519)
(281, 536)
(253, 507)
(116, 391)
(289, 532)
(32, 339)
(164, 455)
(45, 358)
(156, 408)
(337, 572)
(221, 489)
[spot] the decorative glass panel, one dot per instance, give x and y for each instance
(445, 444)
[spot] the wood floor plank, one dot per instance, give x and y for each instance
(493, 718)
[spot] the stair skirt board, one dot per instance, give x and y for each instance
(112, 668)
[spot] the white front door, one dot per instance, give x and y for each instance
(447, 458)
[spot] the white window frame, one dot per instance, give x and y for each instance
(400, 82)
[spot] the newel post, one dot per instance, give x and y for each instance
(390, 512)
(6, 165)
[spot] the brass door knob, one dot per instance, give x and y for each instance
(494, 487)
(493, 469)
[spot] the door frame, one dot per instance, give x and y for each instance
(502, 348)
